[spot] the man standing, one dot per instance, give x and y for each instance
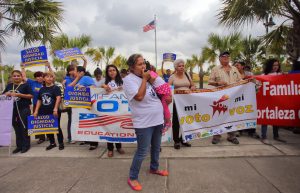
(224, 75)
(166, 75)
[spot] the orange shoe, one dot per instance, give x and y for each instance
(160, 172)
(134, 185)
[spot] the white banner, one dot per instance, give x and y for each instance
(109, 119)
(212, 112)
(6, 110)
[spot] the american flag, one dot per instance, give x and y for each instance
(149, 26)
(87, 120)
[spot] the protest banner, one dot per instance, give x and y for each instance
(278, 100)
(77, 97)
(109, 119)
(6, 106)
(209, 112)
(36, 56)
(170, 57)
(68, 54)
(42, 124)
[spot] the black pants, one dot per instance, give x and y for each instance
(60, 137)
(69, 111)
(175, 126)
(93, 143)
(19, 122)
(110, 146)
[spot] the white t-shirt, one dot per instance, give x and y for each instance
(100, 82)
(113, 85)
(145, 113)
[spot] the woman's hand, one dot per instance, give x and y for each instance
(7, 94)
(193, 88)
(146, 75)
(168, 99)
(55, 113)
(35, 114)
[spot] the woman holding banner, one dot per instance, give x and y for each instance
(147, 118)
(113, 82)
(181, 81)
(48, 103)
(22, 94)
(36, 85)
(271, 67)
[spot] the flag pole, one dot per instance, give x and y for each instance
(155, 42)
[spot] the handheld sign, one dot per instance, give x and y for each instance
(36, 56)
(170, 57)
(6, 106)
(78, 97)
(68, 54)
(42, 124)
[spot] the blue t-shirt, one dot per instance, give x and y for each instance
(68, 80)
(35, 87)
(166, 78)
(86, 81)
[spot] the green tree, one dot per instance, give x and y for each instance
(96, 54)
(238, 13)
(199, 61)
(253, 51)
(63, 41)
(108, 54)
(217, 44)
(121, 62)
(34, 20)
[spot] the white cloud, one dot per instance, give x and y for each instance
(182, 26)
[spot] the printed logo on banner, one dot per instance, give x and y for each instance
(251, 124)
(229, 127)
(219, 106)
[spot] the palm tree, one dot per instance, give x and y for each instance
(253, 51)
(99, 54)
(109, 53)
(121, 62)
(240, 12)
(96, 54)
(199, 61)
(63, 41)
(217, 44)
(35, 20)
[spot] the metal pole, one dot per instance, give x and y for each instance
(2, 72)
(155, 42)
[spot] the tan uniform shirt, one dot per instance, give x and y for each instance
(219, 74)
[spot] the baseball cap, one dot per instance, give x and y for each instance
(224, 53)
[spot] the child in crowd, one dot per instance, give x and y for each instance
(48, 103)
(98, 77)
(163, 90)
(113, 82)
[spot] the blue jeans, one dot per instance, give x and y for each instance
(264, 131)
(145, 138)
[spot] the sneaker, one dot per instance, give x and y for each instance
(159, 172)
(121, 151)
(134, 185)
(51, 146)
(215, 141)
(40, 141)
(176, 145)
(92, 148)
(61, 146)
(17, 150)
(279, 139)
(24, 150)
(186, 144)
(233, 140)
(265, 141)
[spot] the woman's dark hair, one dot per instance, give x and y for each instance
(124, 71)
(118, 78)
(70, 68)
(296, 66)
(132, 59)
(97, 72)
(81, 69)
(38, 74)
(268, 66)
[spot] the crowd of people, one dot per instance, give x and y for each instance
(144, 90)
